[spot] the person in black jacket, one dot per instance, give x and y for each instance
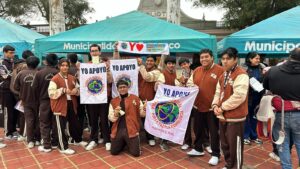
(284, 81)
(254, 69)
(8, 100)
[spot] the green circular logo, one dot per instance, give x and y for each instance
(167, 112)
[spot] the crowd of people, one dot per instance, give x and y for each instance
(223, 117)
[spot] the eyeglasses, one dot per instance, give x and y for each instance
(94, 50)
(12, 52)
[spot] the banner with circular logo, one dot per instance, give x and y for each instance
(168, 114)
(93, 83)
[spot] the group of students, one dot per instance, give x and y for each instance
(54, 116)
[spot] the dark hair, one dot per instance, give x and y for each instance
(63, 60)
(196, 61)
(32, 62)
(52, 59)
(183, 60)
(95, 45)
(170, 59)
(72, 57)
(249, 56)
(152, 56)
(8, 48)
(295, 54)
(206, 51)
(122, 82)
(231, 52)
(26, 54)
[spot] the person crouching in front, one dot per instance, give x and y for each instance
(63, 91)
(125, 112)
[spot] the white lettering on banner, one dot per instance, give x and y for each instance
(274, 46)
(104, 46)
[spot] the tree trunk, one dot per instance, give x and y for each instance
(173, 11)
(57, 17)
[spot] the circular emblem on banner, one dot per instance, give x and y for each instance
(94, 85)
(124, 45)
(125, 78)
(167, 112)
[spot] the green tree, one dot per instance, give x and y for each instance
(242, 13)
(74, 10)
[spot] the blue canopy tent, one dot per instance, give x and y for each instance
(133, 26)
(17, 36)
(275, 36)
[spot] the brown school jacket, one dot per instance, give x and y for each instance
(207, 81)
(59, 106)
(132, 115)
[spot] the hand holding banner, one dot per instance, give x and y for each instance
(143, 48)
(93, 83)
(168, 114)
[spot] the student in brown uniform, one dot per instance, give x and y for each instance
(125, 112)
(148, 75)
(63, 91)
(23, 84)
(99, 110)
(206, 78)
(168, 77)
(230, 105)
(20, 65)
(41, 83)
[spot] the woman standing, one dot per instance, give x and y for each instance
(254, 69)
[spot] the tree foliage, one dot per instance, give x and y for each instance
(242, 13)
(74, 10)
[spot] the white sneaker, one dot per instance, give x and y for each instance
(9, 137)
(21, 138)
(91, 146)
(185, 147)
(42, 149)
(107, 146)
(213, 160)
(194, 152)
(274, 156)
(151, 142)
(67, 151)
(37, 143)
(82, 143)
(2, 145)
(30, 144)
(101, 140)
(208, 149)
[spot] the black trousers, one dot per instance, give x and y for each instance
(10, 113)
(60, 126)
(232, 136)
(94, 112)
(46, 116)
(204, 121)
(81, 113)
(32, 123)
(121, 140)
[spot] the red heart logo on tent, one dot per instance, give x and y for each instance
(139, 46)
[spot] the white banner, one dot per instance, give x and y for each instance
(93, 83)
(127, 70)
(168, 114)
(144, 48)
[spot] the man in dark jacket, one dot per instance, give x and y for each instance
(7, 97)
(284, 81)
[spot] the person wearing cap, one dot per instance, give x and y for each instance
(148, 75)
(125, 113)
